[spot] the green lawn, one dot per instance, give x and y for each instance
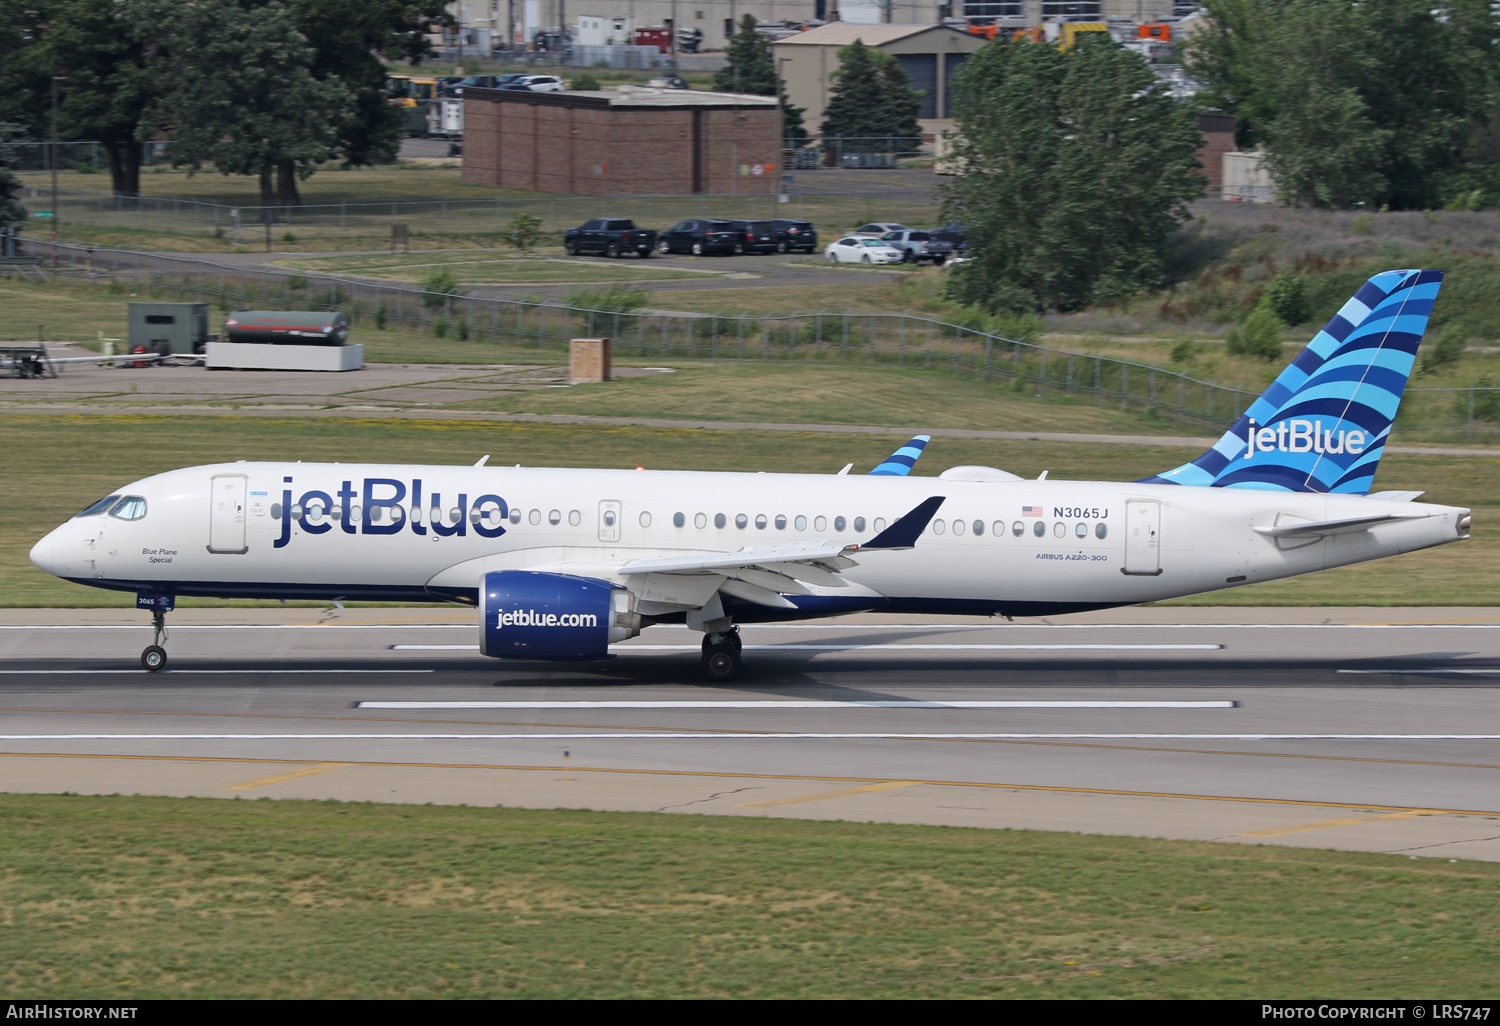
(140, 898)
(87, 457)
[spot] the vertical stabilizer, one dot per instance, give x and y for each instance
(1323, 423)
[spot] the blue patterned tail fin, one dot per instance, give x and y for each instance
(1323, 423)
(900, 462)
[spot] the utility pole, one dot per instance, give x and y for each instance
(55, 79)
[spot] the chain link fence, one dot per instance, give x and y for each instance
(1437, 415)
(446, 218)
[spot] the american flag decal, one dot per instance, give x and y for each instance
(1031, 511)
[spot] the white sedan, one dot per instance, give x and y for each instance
(857, 250)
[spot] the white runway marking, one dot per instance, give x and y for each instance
(158, 673)
(1427, 672)
(620, 649)
(808, 704)
(904, 735)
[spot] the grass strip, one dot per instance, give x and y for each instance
(140, 897)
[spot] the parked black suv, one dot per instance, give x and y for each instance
(760, 236)
(702, 236)
(612, 236)
(794, 235)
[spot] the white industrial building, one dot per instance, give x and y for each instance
(484, 22)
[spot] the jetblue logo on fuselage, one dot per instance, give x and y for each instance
(1304, 436)
(380, 506)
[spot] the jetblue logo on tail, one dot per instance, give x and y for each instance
(1303, 436)
(1323, 423)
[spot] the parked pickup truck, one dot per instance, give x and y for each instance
(612, 236)
(918, 246)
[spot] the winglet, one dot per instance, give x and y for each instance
(900, 462)
(904, 532)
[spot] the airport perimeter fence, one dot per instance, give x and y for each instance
(1435, 415)
(755, 198)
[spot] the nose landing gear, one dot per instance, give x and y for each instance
(154, 657)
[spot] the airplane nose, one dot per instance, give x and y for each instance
(50, 554)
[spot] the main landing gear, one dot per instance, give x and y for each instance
(721, 655)
(154, 657)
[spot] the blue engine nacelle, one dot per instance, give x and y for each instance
(530, 615)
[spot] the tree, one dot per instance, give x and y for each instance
(110, 52)
(1377, 102)
(752, 63)
(270, 117)
(1075, 166)
(872, 101)
(752, 69)
(351, 40)
(12, 211)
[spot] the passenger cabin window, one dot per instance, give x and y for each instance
(132, 507)
(100, 506)
(678, 520)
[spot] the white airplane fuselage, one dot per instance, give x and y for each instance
(1008, 547)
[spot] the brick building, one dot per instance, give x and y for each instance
(627, 142)
(1218, 139)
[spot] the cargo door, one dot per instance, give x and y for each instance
(1143, 538)
(610, 513)
(226, 525)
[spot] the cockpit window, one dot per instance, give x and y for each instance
(132, 507)
(100, 506)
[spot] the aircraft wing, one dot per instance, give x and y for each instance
(763, 573)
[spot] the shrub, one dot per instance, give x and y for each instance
(440, 327)
(1184, 350)
(296, 283)
(380, 316)
(524, 231)
(1259, 336)
(618, 298)
(438, 285)
(462, 330)
(1485, 397)
(1445, 351)
(1287, 296)
(584, 80)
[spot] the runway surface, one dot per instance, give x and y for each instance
(1361, 729)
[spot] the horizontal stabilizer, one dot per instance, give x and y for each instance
(1396, 496)
(1299, 529)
